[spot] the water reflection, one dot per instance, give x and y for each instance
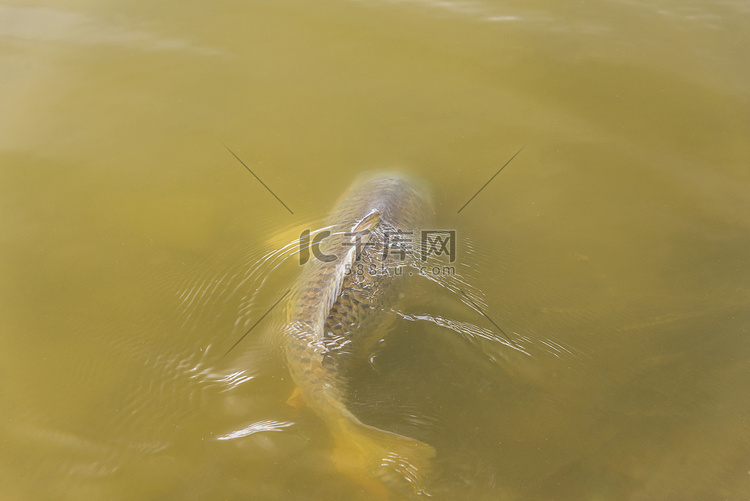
(43, 24)
(260, 426)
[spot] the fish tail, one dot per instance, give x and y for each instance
(370, 457)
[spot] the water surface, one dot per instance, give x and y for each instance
(136, 250)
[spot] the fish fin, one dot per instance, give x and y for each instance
(370, 457)
(296, 400)
(331, 294)
(368, 223)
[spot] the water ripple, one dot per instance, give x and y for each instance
(260, 426)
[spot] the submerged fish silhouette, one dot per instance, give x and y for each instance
(337, 315)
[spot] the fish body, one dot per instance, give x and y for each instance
(338, 313)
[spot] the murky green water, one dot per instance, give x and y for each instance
(136, 250)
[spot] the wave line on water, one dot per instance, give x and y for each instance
(258, 427)
(467, 330)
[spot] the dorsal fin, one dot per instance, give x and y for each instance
(369, 222)
(331, 294)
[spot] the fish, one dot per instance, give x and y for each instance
(338, 314)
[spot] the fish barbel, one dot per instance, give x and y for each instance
(338, 314)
